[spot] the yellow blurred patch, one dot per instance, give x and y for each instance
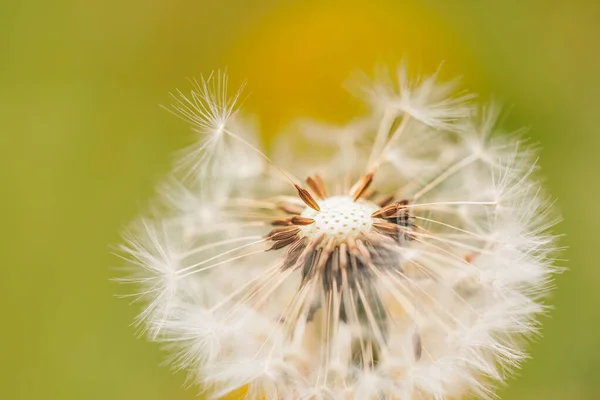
(239, 394)
(236, 394)
(296, 58)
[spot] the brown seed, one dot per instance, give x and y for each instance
(282, 243)
(391, 210)
(280, 229)
(387, 227)
(290, 208)
(293, 254)
(316, 187)
(386, 200)
(307, 198)
(296, 220)
(283, 235)
(310, 247)
(362, 185)
(321, 184)
(281, 222)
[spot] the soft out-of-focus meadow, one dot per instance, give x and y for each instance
(83, 142)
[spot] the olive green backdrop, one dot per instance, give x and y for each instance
(83, 141)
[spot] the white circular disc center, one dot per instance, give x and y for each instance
(340, 217)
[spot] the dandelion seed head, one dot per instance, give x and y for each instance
(405, 255)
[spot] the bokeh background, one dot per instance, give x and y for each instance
(83, 141)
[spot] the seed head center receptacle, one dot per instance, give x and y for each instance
(340, 217)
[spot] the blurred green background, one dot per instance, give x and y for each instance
(83, 142)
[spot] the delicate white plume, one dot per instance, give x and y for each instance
(412, 263)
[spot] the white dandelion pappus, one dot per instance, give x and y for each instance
(413, 272)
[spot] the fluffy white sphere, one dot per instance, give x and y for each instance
(409, 265)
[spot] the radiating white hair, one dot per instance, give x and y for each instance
(409, 265)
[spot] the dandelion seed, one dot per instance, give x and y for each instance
(410, 264)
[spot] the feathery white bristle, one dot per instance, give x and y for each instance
(412, 264)
(214, 117)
